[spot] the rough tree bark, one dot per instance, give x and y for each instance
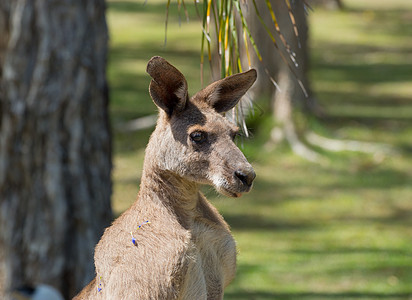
(55, 145)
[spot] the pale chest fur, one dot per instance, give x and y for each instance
(217, 250)
(203, 256)
(216, 246)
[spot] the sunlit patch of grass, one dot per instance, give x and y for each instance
(137, 32)
(366, 60)
(126, 175)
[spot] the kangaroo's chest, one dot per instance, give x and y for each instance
(217, 249)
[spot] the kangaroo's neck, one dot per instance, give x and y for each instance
(179, 196)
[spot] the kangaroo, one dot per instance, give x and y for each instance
(172, 243)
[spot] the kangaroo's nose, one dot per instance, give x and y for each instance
(246, 176)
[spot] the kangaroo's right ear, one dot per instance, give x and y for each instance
(168, 87)
(225, 93)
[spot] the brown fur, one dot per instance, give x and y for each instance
(187, 250)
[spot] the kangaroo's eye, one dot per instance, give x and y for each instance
(198, 137)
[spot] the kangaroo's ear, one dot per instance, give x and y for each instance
(168, 87)
(224, 94)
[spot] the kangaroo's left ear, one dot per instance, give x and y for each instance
(168, 87)
(224, 94)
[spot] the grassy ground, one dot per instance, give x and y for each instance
(342, 231)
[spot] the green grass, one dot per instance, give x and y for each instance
(340, 231)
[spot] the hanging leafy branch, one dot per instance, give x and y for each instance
(226, 37)
(220, 16)
(226, 33)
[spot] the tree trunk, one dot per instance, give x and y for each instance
(276, 61)
(55, 145)
(287, 69)
(283, 113)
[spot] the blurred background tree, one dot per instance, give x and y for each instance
(55, 142)
(283, 68)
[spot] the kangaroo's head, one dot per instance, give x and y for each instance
(192, 138)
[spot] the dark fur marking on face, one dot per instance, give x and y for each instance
(180, 123)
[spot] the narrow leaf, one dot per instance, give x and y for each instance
(292, 18)
(166, 21)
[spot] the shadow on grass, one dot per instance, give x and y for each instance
(262, 295)
(269, 196)
(354, 250)
(253, 222)
(358, 98)
(129, 142)
(378, 178)
(135, 6)
(364, 66)
(392, 22)
(358, 175)
(362, 73)
(148, 7)
(246, 222)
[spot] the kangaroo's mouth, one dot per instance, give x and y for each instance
(232, 193)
